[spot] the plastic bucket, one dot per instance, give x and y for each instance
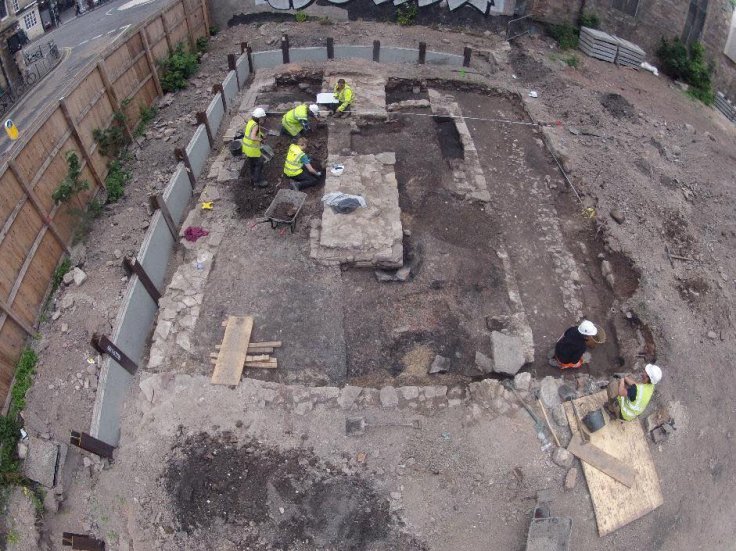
(236, 148)
(594, 420)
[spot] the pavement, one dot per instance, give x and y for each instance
(83, 37)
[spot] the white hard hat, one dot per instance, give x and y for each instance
(259, 113)
(314, 108)
(654, 372)
(588, 328)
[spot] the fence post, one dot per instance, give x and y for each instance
(151, 62)
(422, 52)
(78, 138)
(110, 91)
(330, 48)
(218, 88)
(202, 119)
(36, 202)
(181, 155)
(376, 51)
(466, 56)
(249, 50)
(285, 48)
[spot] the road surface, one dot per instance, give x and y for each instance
(80, 41)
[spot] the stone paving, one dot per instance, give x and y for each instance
(370, 236)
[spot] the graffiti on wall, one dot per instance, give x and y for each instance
(486, 7)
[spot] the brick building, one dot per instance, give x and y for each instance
(645, 22)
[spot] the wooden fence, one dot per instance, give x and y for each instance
(34, 232)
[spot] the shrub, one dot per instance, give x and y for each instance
(590, 19)
(406, 14)
(566, 35)
(689, 65)
(177, 68)
(202, 44)
(147, 114)
(71, 185)
(301, 17)
(9, 426)
(117, 178)
(59, 273)
(572, 61)
(113, 139)
(214, 29)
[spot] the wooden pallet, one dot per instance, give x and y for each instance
(237, 352)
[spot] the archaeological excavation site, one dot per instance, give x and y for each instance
(489, 324)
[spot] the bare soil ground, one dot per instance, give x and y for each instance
(634, 143)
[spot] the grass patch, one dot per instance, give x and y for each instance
(177, 68)
(113, 139)
(214, 29)
(116, 180)
(147, 114)
(202, 44)
(9, 425)
(406, 14)
(324, 21)
(689, 65)
(301, 17)
(591, 20)
(566, 35)
(572, 61)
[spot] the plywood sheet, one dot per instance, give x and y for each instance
(231, 357)
(616, 505)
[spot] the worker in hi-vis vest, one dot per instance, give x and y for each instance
(627, 398)
(344, 96)
(251, 146)
(296, 120)
(298, 167)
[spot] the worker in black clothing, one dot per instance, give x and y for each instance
(571, 349)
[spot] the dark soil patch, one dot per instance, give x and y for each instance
(280, 499)
(251, 201)
(676, 233)
(246, 18)
(618, 106)
(396, 329)
(287, 94)
(526, 68)
(403, 89)
(449, 138)
(693, 290)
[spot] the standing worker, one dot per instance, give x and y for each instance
(296, 163)
(570, 351)
(297, 120)
(252, 140)
(344, 97)
(627, 398)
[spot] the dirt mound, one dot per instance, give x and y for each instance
(618, 106)
(270, 498)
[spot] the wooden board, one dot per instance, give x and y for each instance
(616, 505)
(602, 461)
(231, 358)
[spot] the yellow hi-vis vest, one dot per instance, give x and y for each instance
(251, 148)
(344, 96)
(631, 410)
(292, 166)
(292, 120)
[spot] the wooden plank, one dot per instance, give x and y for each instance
(151, 62)
(231, 359)
(260, 350)
(263, 365)
(258, 358)
(616, 505)
(267, 344)
(602, 461)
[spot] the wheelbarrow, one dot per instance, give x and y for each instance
(285, 208)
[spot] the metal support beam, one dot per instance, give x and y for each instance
(467, 52)
(218, 88)
(376, 51)
(330, 48)
(157, 202)
(91, 444)
(181, 155)
(285, 48)
(132, 265)
(82, 542)
(202, 119)
(422, 52)
(104, 345)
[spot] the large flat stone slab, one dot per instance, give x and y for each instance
(41, 463)
(366, 237)
(369, 93)
(508, 353)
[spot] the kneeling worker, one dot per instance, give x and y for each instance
(570, 350)
(297, 120)
(344, 97)
(296, 163)
(627, 398)
(251, 146)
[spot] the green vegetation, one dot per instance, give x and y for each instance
(571, 61)
(566, 35)
(591, 20)
(71, 185)
(324, 20)
(117, 178)
(202, 44)
(689, 65)
(301, 17)
(214, 29)
(177, 68)
(59, 273)
(9, 425)
(147, 114)
(406, 14)
(113, 139)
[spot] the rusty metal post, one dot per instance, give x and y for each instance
(251, 68)
(466, 56)
(132, 266)
(181, 155)
(285, 48)
(422, 52)
(202, 119)
(376, 51)
(104, 345)
(330, 48)
(81, 542)
(157, 203)
(218, 88)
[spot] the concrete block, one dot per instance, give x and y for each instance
(571, 479)
(198, 150)
(230, 87)
(215, 112)
(242, 69)
(389, 397)
(563, 458)
(508, 353)
(40, 463)
(522, 381)
(178, 193)
(156, 250)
